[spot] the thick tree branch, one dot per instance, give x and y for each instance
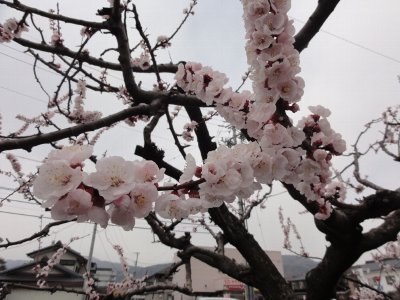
(314, 23)
(386, 232)
(322, 280)
(221, 262)
(205, 142)
(373, 206)
(264, 275)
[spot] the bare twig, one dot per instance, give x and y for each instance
(45, 231)
(28, 143)
(174, 135)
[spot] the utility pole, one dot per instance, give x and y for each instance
(41, 227)
(89, 262)
(248, 290)
(136, 262)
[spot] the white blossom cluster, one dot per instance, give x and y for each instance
(56, 36)
(79, 114)
(300, 155)
(118, 289)
(43, 271)
(188, 130)
(143, 61)
(89, 287)
(275, 64)
(119, 190)
(126, 189)
(270, 51)
(11, 29)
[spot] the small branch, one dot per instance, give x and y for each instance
(386, 150)
(44, 232)
(299, 254)
(62, 50)
(146, 41)
(65, 77)
(174, 135)
(103, 87)
(28, 143)
(244, 79)
(173, 268)
(188, 13)
(357, 174)
(187, 185)
(367, 286)
(208, 228)
(24, 8)
(253, 204)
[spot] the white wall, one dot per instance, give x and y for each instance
(18, 294)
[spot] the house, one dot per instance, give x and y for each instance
(20, 282)
(383, 275)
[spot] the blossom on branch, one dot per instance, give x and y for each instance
(56, 178)
(114, 177)
(11, 29)
(74, 155)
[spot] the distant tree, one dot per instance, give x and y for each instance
(277, 150)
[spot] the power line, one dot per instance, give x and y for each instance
(355, 44)
(113, 225)
(15, 200)
(26, 158)
(33, 203)
(13, 57)
(25, 62)
(22, 94)
(6, 188)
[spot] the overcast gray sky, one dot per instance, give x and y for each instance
(351, 67)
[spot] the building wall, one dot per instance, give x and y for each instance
(104, 276)
(385, 281)
(207, 279)
(41, 295)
